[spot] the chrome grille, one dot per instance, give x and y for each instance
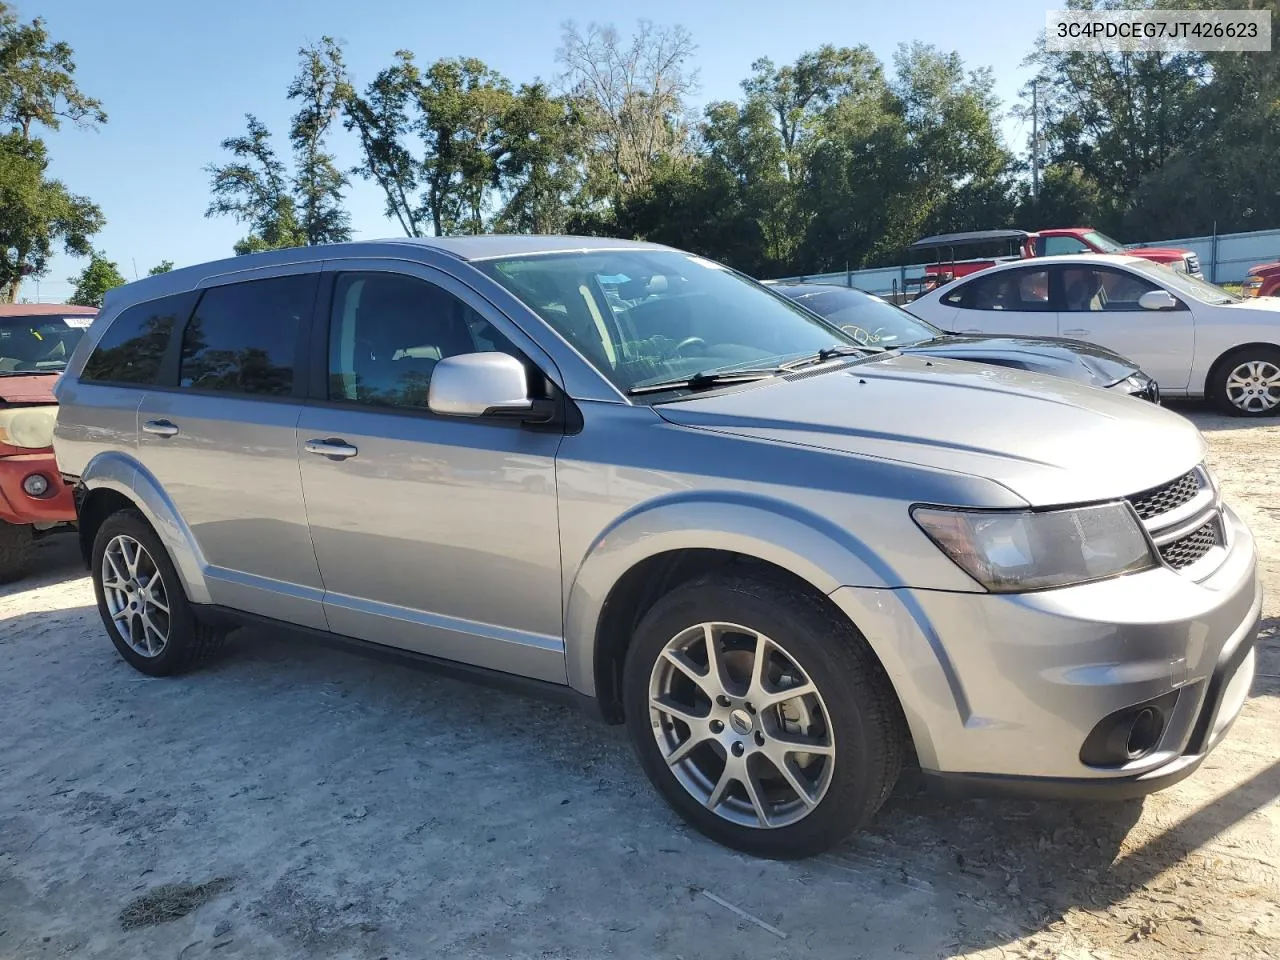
(1185, 551)
(1158, 500)
(1193, 263)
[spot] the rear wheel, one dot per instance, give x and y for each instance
(16, 542)
(141, 600)
(1247, 383)
(761, 715)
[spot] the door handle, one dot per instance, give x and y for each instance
(160, 428)
(1077, 332)
(331, 447)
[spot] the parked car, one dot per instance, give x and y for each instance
(36, 341)
(786, 562)
(1263, 280)
(1022, 245)
(874, 322)
(1194, 338)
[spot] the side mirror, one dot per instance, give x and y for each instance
(485, 385)
(1158, 300)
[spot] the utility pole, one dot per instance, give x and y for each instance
(1035, 143)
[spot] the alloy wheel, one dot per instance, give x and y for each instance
(1254, 386)
(741, 725)
(136, 597)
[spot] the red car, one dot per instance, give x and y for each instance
(1263, 280)
(1043, 243)
(36, 341)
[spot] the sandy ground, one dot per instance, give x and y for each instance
(291, 801)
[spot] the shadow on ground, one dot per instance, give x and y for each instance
(360, 806)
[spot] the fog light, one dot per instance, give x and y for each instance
(1129, 734)
(36, 485)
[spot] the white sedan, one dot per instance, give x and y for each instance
(1194, 338)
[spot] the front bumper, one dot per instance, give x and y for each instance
(19, 507)
(1139, 386)
(1002, 692)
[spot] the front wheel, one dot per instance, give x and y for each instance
(1247, 383)
(761, 715)
(16, 542)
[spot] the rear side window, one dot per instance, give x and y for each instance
(1016, 290)
(243, 337)
(133, 347)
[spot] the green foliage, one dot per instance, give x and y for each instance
(36, 78)
(283, 208)
(93, 282)
(37, 214)
(164, 266)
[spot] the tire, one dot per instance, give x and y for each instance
(186, 640)
(16, 544)
(852, 716)
(1246, 383)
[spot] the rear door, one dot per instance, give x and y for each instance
(1008, 302)
(221, 440)
(1100, 304)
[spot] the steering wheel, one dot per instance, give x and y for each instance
(687, 342)
(859, 335)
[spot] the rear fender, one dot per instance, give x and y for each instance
(118, 471)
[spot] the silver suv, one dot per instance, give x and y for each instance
(615, 471)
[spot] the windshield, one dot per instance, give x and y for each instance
(867, 319)
(1102, 243)
(36, 344)
(648, 316)
(1187, 285)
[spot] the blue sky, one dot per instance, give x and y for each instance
(177, 76)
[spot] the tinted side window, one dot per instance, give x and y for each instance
(388, 332)
(1015, 290)
(132, 348)
(1095, 289)
(1052, 246)
(243, 337)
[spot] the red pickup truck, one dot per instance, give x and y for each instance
(1263, 280)
(36, 341)
(1043, 243)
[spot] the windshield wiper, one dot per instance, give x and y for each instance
(830, 353)
(704, 380)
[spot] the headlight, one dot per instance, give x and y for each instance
(1013, 552)
(30, 427)
(1251, 286)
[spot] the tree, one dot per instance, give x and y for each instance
(254, 189)
(320, 87)
(36, 79)
(164, 266)
(539, 173)
(459, 112)
(1118, 117)
(631, 98)
(93, 282)
(37, 213)
(285, 209)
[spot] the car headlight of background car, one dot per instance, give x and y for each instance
(28, 427)
(1251, 286)
(1017, 551)
(1142, 386)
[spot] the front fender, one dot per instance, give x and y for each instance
(118, 471)
(810, 546)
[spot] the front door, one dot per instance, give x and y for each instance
(434, 534)
(1100, 304)
(220, 438)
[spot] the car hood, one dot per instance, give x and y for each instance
(1082, 362)
(1265, 269)
(1267, 306)
(37, 388)
(1172, 253)
(1048, 440)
